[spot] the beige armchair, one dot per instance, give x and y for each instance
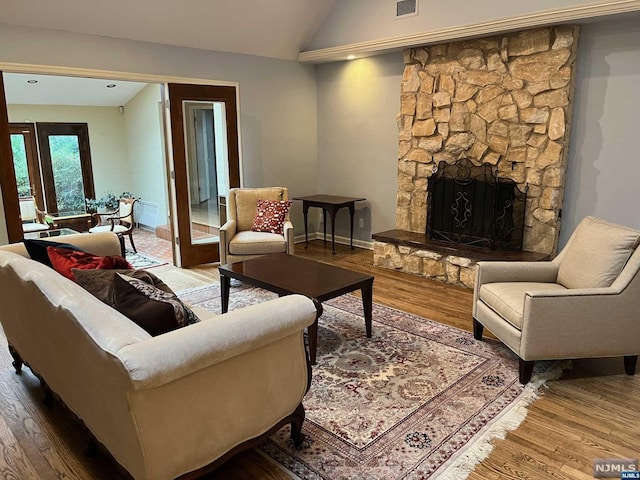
(119, 221)
(582, 304)
(33, 219)
(237, 241)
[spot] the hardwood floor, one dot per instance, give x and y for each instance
(591, 412)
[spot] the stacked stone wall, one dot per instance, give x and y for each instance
(505, 101)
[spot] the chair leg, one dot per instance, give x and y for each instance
(132, 244)
(478, 328)
(526, 370)
(296, 426)
(630, 364)
(17, 359)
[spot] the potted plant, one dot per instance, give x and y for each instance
(107, 203)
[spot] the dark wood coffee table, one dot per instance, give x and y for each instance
(287, 274)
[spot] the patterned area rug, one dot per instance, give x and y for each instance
(419, 400)
(141, 260)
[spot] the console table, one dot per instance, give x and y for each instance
(331, 204)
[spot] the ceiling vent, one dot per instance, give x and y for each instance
(406, 8)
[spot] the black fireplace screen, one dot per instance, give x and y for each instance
(471, 205)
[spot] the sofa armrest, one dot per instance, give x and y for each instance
(577, 323)
(165, 358)
(226, 233)
(490, 272)
(288, 235)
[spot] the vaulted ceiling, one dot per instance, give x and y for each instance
(270, 28)
(280, 29)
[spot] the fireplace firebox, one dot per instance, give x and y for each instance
(470, 205)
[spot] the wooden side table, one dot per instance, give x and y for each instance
(331, 204)
(80, 222)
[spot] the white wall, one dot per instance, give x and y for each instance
(353, 21)
(146, 170)
(106, 137)
(278, 117)
(358, 138)
(604, 153)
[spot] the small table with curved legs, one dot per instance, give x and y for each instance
(331, 204)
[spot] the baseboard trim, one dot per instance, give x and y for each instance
(368, 245)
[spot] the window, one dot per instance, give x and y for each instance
(66, 166)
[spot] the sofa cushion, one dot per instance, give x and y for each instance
(100, 282)
(64, 260)
(270, 216)
(37, 249)
(153, 309)
(596, 254)
(507, 298)
(257, 243)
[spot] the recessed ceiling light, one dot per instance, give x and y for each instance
(32, 81)
(351, 57)
(111, 85)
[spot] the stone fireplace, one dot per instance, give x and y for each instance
(503, 102)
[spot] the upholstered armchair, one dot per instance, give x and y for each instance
(585, 303)
(33, 219)
(119, 221)
(237, 239)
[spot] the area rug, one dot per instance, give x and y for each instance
(142, 260)
(419, 400)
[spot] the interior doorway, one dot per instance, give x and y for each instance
(216, 167)
(205, 156)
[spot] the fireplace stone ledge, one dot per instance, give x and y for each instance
(416, 254)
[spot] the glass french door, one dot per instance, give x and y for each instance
(204, 137)
(25, 162)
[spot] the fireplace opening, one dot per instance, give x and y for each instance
(470, 205)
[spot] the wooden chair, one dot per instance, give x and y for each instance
(119, 221)
(33, 219)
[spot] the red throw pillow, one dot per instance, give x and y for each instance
(270, 215)
(63, 260)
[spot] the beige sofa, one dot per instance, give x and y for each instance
(167, 405)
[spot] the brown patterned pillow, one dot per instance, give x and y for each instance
(270, 216)
(153, 309)
(100, 282)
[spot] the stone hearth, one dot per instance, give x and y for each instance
(504, 101)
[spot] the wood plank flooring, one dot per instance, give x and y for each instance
(591, 412)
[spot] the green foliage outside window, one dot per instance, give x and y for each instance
(67, 174)
(20, 166)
